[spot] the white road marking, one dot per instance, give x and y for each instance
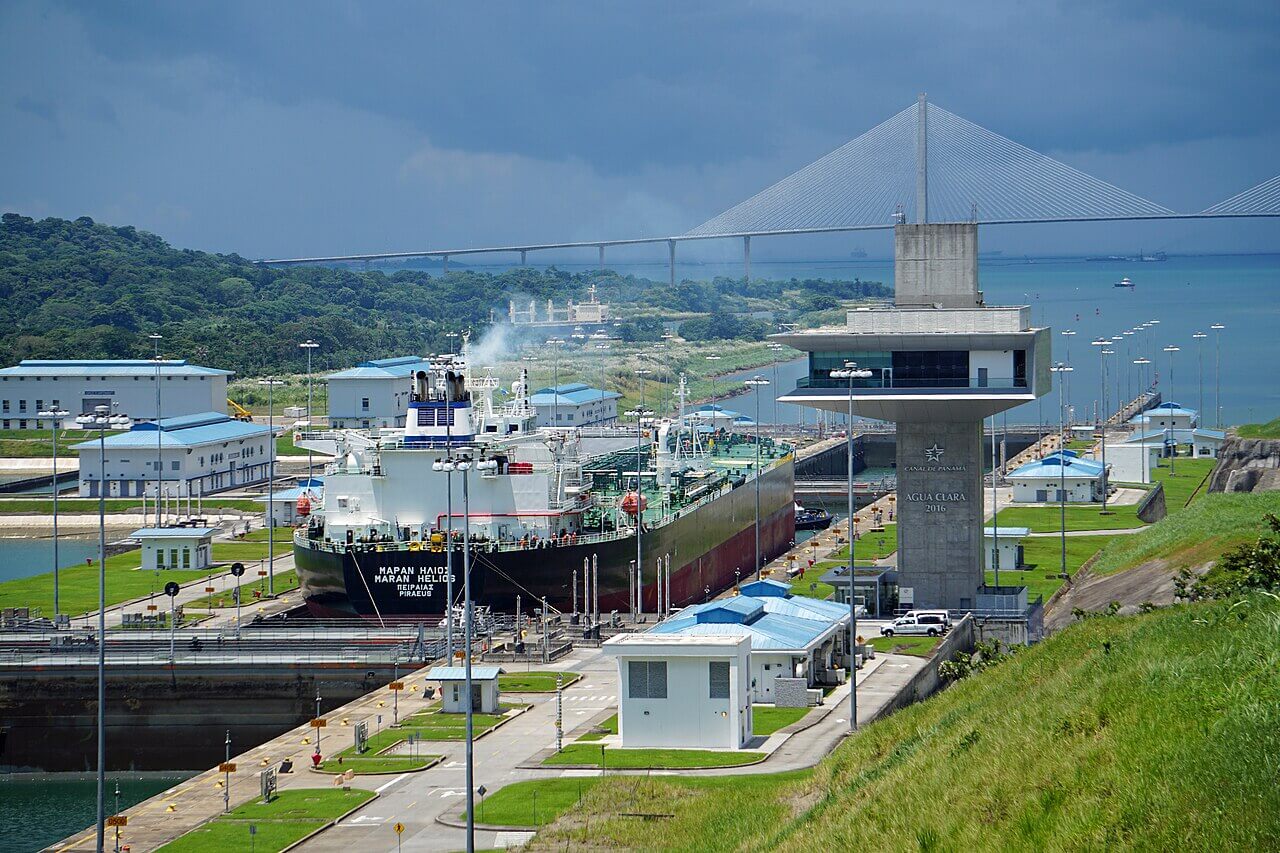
(363, 819)
(385, 785)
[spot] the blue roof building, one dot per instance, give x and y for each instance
(1169, 414)
(373, 394)
(127, 386)
(1041, 480)
(791, 636)
(189, 455)
(574, 404)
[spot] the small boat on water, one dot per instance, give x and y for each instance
(812, 519)
(1125, 282)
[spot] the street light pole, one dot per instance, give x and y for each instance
(1102, 344)
(155, 339)
(55, 416)
(1199, 338)
(102, 420)
(756, 383)
(1217, 372)
(851, 372)
(1173, 457)
(713, 359)
(309, 345)
(1142, 377)
(1063, 370)
(271, 383)
(555, 344)
(1066, 385)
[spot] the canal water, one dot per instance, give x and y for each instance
(38, 811)
(23, 556)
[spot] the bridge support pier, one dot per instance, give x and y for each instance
(746, 259)
(671, 252)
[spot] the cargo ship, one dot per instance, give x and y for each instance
(539, 507)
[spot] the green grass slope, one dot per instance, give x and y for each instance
(1159, 731)
(1271, 429)
(1203, 530)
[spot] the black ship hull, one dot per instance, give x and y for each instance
(707, 546)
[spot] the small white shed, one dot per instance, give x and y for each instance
(1010, 541)
(683, 691)
(176, 547)
(453, 688)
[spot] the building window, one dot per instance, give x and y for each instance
(364, 404)
(719, 679)
(39, 405)
(647, 679)
(175, 465)
(159, 558)
(6, 405)
(173, 557)
(22, 405)
(186, 558)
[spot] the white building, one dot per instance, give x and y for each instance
(129, 386)
(792, 636)
(176, 547)
(683, 691)
(575, 405)
(198, 455)
(1203, 443)
(1127, 463)
(1166, 416)
(373, 393)
(485, 695)
(718, 417)
(1010, 546)
(1040, 480)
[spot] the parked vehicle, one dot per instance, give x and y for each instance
(944, 615)
(927, 625)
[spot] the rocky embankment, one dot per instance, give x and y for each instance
(1247, 465)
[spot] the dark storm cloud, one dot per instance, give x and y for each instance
(305, 126)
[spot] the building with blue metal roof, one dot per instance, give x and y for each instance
(1041, 480)
(127, 385)
(185, 456)
(574, 404)
(373, 394)
(485, 697)
(1171, 415)
(791, 636)
(1204, 443)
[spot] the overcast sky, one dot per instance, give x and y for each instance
(297, 128)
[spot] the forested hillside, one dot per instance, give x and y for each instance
(85, 290)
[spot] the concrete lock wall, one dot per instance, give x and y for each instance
(157, 720)
(940, 513)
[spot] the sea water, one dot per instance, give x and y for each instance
(23, 556)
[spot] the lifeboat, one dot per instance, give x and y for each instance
(304, 506)
(633, 503)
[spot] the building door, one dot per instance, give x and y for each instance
(114, 488)
(982, 377)
(1042, 495)
(475, 698)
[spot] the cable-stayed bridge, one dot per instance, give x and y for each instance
(924, 164)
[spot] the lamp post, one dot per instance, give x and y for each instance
(1066, 385)
(851, 372)
(555, 344)
(1171, 349)
(713, 359)
(1102, 344)
(1064, 370)
(271, 483)
(1142, 377)
(1217, 372)
(102, 420)
(774, 347)
(54, 416)
(756, 383)
(1199, 339)
(603, 349)
(308, 345)
(639, 415)
(642, 372)
(155, 339)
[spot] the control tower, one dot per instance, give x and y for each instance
(941, 361)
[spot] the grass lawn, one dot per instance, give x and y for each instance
(44, 506)
(638, 759)
(535, 803)
(437, 725)
(1047, 519)
(1271, 429)
(372, 761)
(810, 587)
(1113, 711)
(286, 447)
(918, 646)
(610, 725)
(533, 682)
(78, 585)
(1081, 444)
(291, 816)
(872, 545)
(285, 581)
(32, 443)
(1179, 489)
(766, 719)
(1199, 533)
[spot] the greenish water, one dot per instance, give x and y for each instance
(36, 812)
(23, 556)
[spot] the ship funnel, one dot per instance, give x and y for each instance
(420, 385)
